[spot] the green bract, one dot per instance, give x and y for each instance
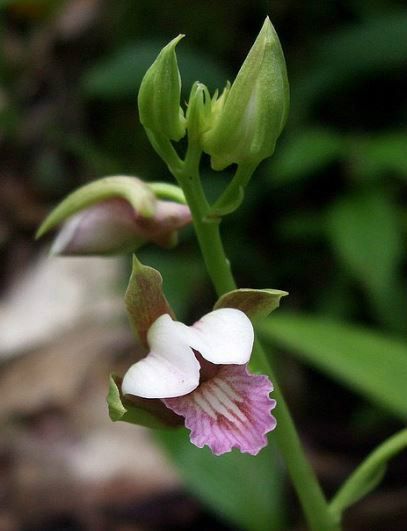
(134, 414)
(159, 95)
(248, 118)
(255, 303)
(199, 111)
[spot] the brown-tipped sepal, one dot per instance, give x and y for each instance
(255, 303)
(145, 299)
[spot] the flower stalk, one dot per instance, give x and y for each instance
(312, 499)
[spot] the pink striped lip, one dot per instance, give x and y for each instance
(200, 372)
(231, 410)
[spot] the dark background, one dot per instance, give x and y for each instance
(324, 219)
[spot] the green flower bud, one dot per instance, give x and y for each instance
(199, 110)
(159, 95)
(248, 118)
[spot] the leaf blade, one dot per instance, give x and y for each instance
(369, 363)
(244, 489)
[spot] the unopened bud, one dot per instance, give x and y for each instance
(106, 228)
(249, 117)
(113, 227)
(114, 215)
(199, 110)
(160, 93)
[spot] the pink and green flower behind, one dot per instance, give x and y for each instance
(117, 215)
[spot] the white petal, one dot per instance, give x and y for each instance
(223, 336)
(170, 369)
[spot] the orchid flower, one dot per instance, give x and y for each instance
(199, 372)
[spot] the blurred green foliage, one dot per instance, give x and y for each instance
(246, 490)
(324, 219)
(367, 362)
(120, 75)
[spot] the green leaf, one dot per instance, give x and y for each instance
(244, 489)
(376, 156)
(128, 413)
(303, 225)
(363, 487)
(132, 189)
(145, 299)
(371, 364)
(366, 233)
(255, 303)
(374, 45)
(369, 473)
(304, 154)
(352, 53)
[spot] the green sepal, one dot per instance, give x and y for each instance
(255, 303)
(136, 192)
(160, 93)
(145, 299)
(128, 413)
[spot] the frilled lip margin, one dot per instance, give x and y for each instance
(231, 410)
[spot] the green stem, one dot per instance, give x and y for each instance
(314, 504)
(165, 150)
(313, 501)
(233, 195)
(367, 474)
(207, 230)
